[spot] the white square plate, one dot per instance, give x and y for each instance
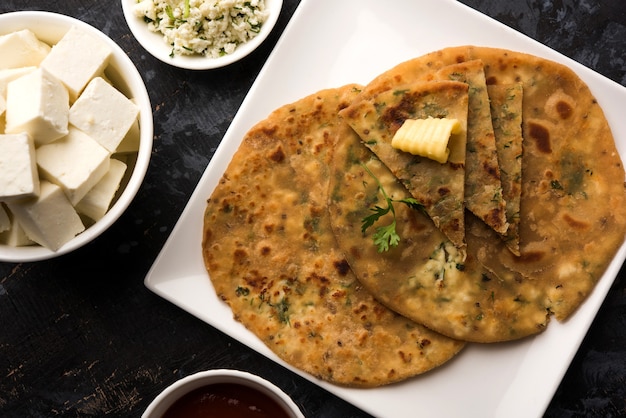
(330, 43)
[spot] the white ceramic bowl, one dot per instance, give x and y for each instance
(153, 42)
(178, 389)
(50, 28)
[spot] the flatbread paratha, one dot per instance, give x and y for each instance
(439, 188)
(483, 187)
(272, 257)
(572, 213)
(506, 114)
(425, 277)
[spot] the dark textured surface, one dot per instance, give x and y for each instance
(82, 336)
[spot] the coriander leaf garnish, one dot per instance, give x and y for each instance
(385, 236)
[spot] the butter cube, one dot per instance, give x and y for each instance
(426, 137)
(15, 235)
(18, 168)
(77, 58)
(21, 48)
(5, 222)
(38, 104)
(9, 74)
(103, 113)
(75, 162)
(97, 201)
(50, 219)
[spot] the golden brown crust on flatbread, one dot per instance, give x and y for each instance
(272, 257)
(572, 213)
(426, 277)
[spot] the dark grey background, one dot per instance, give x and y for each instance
(82, 336)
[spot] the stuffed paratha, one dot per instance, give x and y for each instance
(483, 187)
(272, 257)
(572, 213)
(425, 277)
(506, 113)
(439, 188)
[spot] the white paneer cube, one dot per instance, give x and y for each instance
(9, 74)
(103, 113)
(15, 235)
(75, 162)
(96, 202)
(131, 141)
(5, 222)
(50, 219)
(37, 103)
(3, 106)
(77, 58)
(21, 49)
(18, 167)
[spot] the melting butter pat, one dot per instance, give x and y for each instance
(426, 137)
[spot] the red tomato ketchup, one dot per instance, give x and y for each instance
(225, 400)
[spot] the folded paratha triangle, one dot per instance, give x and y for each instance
(438, 187)
(483, 188)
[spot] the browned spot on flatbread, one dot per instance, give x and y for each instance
(575, 223)
(564, 109)
(355, 252)
(443, 191)
(342, 267)
(269, 131)
(394, 116)
(528, 257)
(240, 255)
(541, 136)
(493, 215)
(278, 155)
(491, 169)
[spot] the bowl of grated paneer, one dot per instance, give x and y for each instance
(200, 34)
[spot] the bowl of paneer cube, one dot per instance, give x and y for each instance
(76, 134)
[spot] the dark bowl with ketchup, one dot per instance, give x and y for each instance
(222, 393)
